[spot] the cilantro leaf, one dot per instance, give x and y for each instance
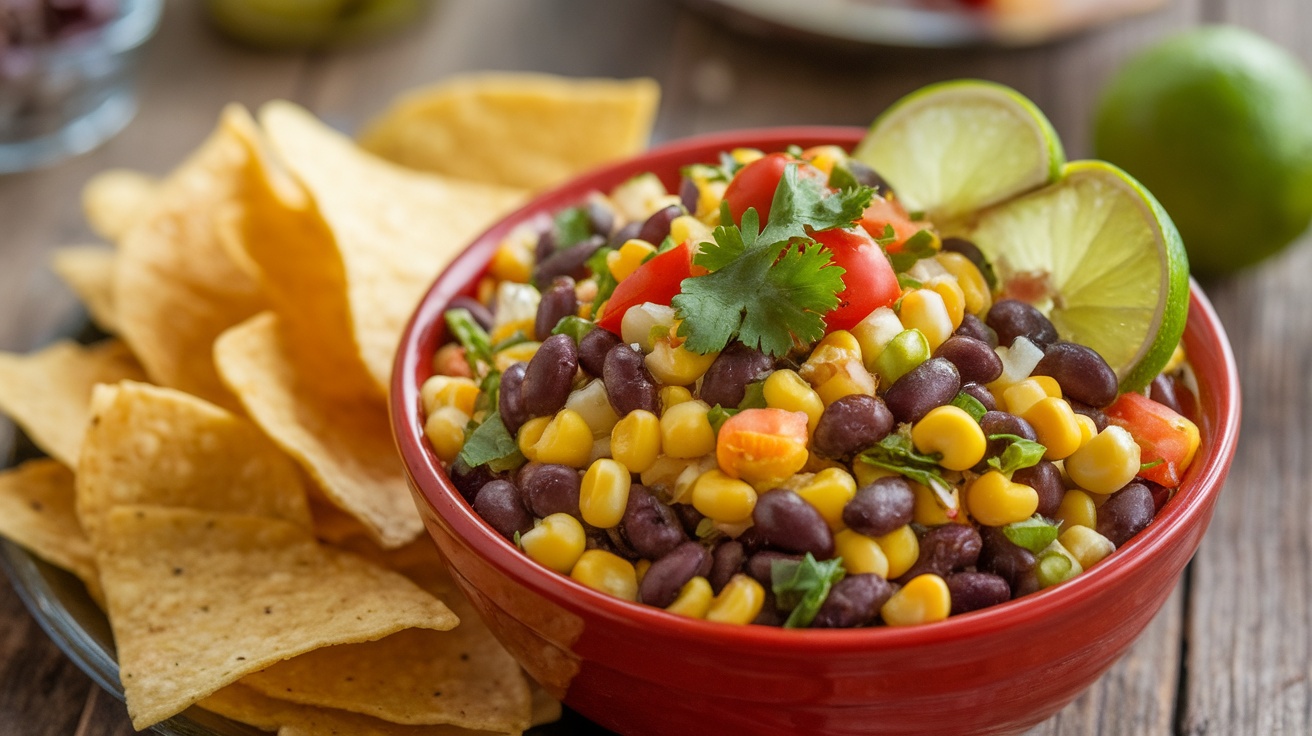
(920, 245)
(574, 326)
(1020, 453)
(601, 274)
(971, 405)
(571, 226)
(491, 444)
(753, 396)
(471, 335)
(801, 203)
(1034, 533)
(802, 586)
(718, 415)
(897, 453)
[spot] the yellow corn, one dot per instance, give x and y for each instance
(784, 389)
(518, 353)
(685, 430)
(624, 261)
(722, 498)
(1054, 423)
(835, 368)
(995, 500)
(607, 572)
(1086, 545)
(1077, 509)
(744, 156)
(927, 511)
(1176, 360)
(866, 473)
(924, 310)
(604, 493)
(739, 601)
(671, 395)
(676, 365)
(924, 599)
(901, 548)
(529, 434)
(1020, 396)
(688, 229)
(487, 289)
(455, 391)
(954, 433)
(636, 440)
(1105, 463)
(512, 262)
(641, 567)
(506, 330)
(445, 430)
(1088, 428)
(954, 299)
(824, 157)
(567, 439)
(694, 599)
(861, 554)
(556, 542)
(975, 290)
(829, 491)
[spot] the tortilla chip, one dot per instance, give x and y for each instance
(89, 272)
(156, 446)
(394, 229)
(48, 393)
(197, 600)
(461, 677)
(115, 199)
(525, 130)
(36, 511)
(345, 445)
(175, 287)
(546, 709)
(245, 705)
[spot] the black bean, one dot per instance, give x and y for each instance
(569, 261)
(689, 517)
(1080, 371)
(965, 248)
(981, 394)
(946, 549)
(689, 194)
(1000, 422)
(481, 314)
(1045, 479)
(751, 540)
(557, 302)
(1161, 494)
(626, 233)
(1012, 563)
(550, 375)
(971, 591)
(500, 505)
(760, 566)
(867, 176)
(468, 481)
(601, 218)
(629, 385)
(851, 424)
(546, 245)
(651, 527)
(510, 397)
(853, 601)
(1012, 318)
(1099, 418)
(972, 326)
(619, 544)
(974, 359)
(788, 522)
(657, 227)
(667, 576)
(1125, 513)
(725, 382)
(1162, 390)
(593, 349)
(880, 507)
(770, 614)
(726, 561)
(932, 383)
(549, 488)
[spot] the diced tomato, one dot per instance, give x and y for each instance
(655, 281)
(1161, 434)
(882, 212)
(762, 445)
(868, 278)
(754, 185)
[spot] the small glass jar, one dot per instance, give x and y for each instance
(68, 95)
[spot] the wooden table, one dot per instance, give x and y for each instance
(1230, 652)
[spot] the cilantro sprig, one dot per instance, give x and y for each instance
(801, 587)
(897, 453)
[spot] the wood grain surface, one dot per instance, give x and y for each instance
(1230, 651)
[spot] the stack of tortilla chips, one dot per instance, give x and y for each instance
(221, 472)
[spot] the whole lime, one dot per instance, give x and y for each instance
(1217, 122)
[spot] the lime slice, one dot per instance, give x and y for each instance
(952, 148)
(1107, 259)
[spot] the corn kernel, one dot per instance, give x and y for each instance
(739, 602)
(829, 491)
(1086, 545)
(927, 510)
(685, 430)
(607, 572)
(857, 380)
(636, 440)
(556, 542)
(1018, 361)
(902, 548)
(824, 157)
(1088, 428)
(688, 229)
(445, 430)
(1077, 509)
(694, 599)
(625, 260)
(866, 473)
(924, 599)
(995, 500)
(512, 262)
(954, 299)
(506, 330)
(722, 498)
(671, 395)
(518, 353)
(566, 439)
(529, 434)
(784, 389)
(1020, 396)
(744, 156)
(604, 493)
(835, 368)
(454, 391)
(640, 568)
(676, 365)
(1105, 463)
(861, 554)
(954, 433)
(1054, 423)
(924, 310)
(975, 289)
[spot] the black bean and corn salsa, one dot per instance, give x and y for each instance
(777, 397)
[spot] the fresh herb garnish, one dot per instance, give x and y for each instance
(753, 396)
(1020, 453)
(897, 453)
(920, 245)
(601, 274)
(491, 444)
(907, 283)
(971, 405)
(574, 326)
(1151, 465)
(1034, 533)
(718, 415)
(802, 586)
(472, 337)
(571, 226)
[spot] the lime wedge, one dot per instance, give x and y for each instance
(956, 147)
(1108, 260)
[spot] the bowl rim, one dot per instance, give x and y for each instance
(1191, 504)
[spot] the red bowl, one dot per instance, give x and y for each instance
(639, 670)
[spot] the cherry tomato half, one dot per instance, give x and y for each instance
(882, 212)
(1161, 434)
(655, 281)
(868, 278)
(754, 184)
